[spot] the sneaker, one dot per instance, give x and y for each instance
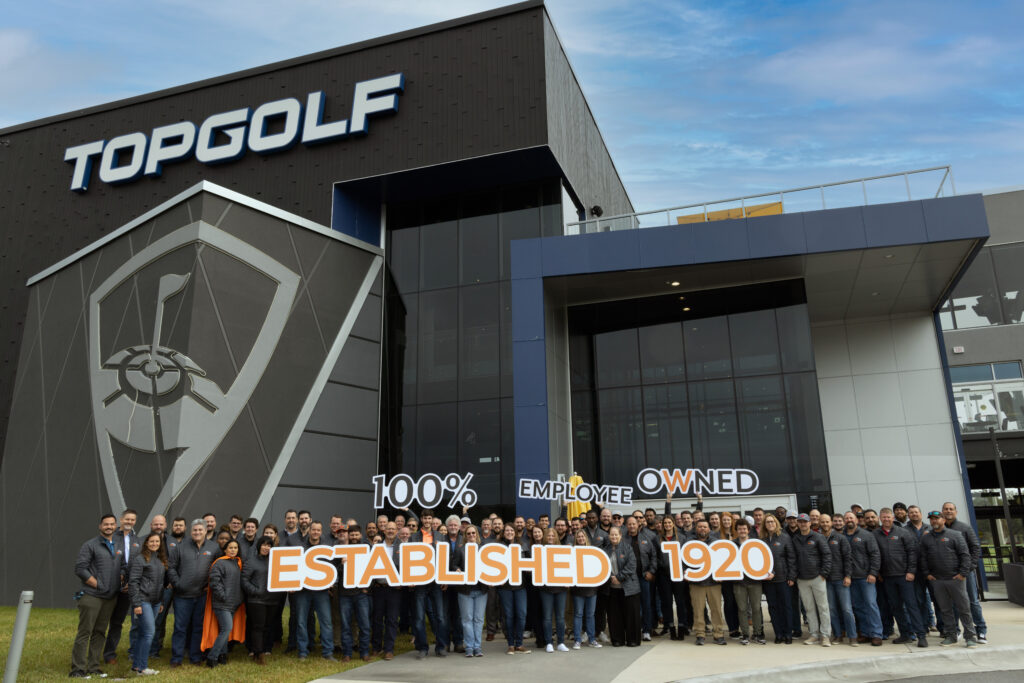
(510, 651)
(700, 640)
(329, 658)
(825, 642)
(901, 640)
(759, 639)
(562, 648)
(604, 638)
(421, 654)
(594, 644)
(852, 643)
(971, 643)
(983, 638)
(549, 648)
(576, 645)
(734, 635)
(441, 653)
(922, 641)
(947, 641)
(478, 653)
(811, 641)
(646, 636)
(78, 674)
(148, 672)
(744, 641)
(522, 650)
(720, 641)
(469, 653)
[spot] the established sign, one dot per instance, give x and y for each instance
(271, 127)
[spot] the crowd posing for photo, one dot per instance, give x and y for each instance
(856, 577)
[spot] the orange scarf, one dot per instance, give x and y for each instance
(210, 626)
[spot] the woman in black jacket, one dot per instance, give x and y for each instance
(224, 598)
(535, 537)
(146, 581)
(776, 587)
(624, 596)
(261, 601)
(513, 600)
(669, 589)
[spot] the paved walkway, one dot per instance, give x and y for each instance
(665, 660)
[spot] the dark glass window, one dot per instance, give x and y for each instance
(519, 219)
(795, 338)
(661, 353)
(1006, 370)
(479, 313)
(581, 361)
(480, 446)
(404, 258)
(667, 426)
(505, 340)
(707, 348)
(807, 438)
(478, 247)
(970, 373)
(1007, 260)
(975, 299)
(438, 346)
(508, 452)
(618, 358)
(437, 438)
(763, 430)
(713, 424)
(755, 343)
(584, 453)
(439, 255)
(622, 438)
(409, 345)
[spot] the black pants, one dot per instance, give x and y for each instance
(624, 615)
(256, 624)
(669, 590)
(121, 609)
(387, 603)
(795, 612)
(601, 610)
(732, 615)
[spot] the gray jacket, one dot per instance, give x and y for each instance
(146, 580)
(813, 556)
(598, 537)
(899, 551)
(973, 544)
(842, 565)
(649, 545)
(96, 559)
(627, 574)
(188, 567)
(865, 558)
(255, 574)
(944, 554)
(226, 584)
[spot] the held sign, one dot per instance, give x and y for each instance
(294, 568)
(719, 560)
(714, 482)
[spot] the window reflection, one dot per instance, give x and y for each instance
(991, 291)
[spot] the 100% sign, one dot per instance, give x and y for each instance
(428, 491)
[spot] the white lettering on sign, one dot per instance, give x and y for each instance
(714, 482)
(536, 489)
(220, 138)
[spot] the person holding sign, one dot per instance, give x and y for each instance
(813, 564)
(472, 597)
(584, 600)
(777, 586)
(624, 594)
(748, 593)
(513, 601)
(669, 589)
(707, 592)
(553, 598)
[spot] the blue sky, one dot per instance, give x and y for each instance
(696, 100)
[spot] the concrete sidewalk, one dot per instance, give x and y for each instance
(665, 660)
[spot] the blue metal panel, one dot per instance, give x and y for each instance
(527, 309)
(891, 224)
(529, 378)
(835, 230)
(565, 255)
(356, 215)
(529, 507)
(527, 259)
(618, 250)
(781, 235)
(668, 246)
(720, 241)
(954, 218)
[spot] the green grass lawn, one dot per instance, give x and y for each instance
(51, 633)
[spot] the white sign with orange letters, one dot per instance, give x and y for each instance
(719, 560)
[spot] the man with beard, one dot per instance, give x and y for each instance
(235, 525)
(865, 564)
(899, 564)
(707, 594)
(100, 567)
(315, 602)
(900, 515)
(840, 604)
(949, 513)
(188, 570)
(946, 561)
(813, 566)
(645, 547)
(916, 525)
(354, 601)
(126, 540)
(210, 520)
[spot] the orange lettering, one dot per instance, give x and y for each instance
(558, 560)
(675, 566)
(417, 564)
(586, 556)
(348, 554)
(519, 563)
(444, 575)
(494, 556)
(281, 563)
(675, 481)
(379, 566)
(319, 573)
(725, 571)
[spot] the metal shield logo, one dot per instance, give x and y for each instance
(174, 402)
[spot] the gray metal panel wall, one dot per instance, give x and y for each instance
(574, 137)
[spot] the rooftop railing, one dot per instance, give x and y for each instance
(921, 183)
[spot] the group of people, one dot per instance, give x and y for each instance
(856, 576)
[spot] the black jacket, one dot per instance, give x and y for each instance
(842, 565)
(96, 559)
(649, 546)
(899, 551)
(146, 580)
(865, 558)
(627, 574)
(226, 584)
(598, 536)
(783, 558)
(188, 567)
(971, 538)
(255, 574)
(944, 554)
(813, 556)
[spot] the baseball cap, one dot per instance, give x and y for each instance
(803, 517)
(899, 506)
(750, 520)
(792, 513)
(934, 513)
(616, 515)
(466, 520)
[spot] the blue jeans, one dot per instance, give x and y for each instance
(780, 607)
(473, 607)
(143, 627)
(161, 622)
(972, 594)
(583, 616)
(188, 622)
(321, 604)
(429, 601)
(840, 609)
(360, 603)
(899, 595)
(647, 617)
(922, 601)
(865, 607)
(553, 602)
(225, 618)
(513, 603)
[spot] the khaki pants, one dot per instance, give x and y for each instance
(814, 596)
(748, 599)
(712, 595)
(93, 618)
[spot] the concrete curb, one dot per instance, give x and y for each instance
(886, 668)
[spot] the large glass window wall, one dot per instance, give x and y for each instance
(991, 291)
(988, 395)
(449, 330)
(729, 382)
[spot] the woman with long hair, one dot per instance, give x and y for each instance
(472, 597)
(225, 612)
(669, 589)
(624, 596)
(146, 581)
(260, 601)
(776, 587)
(552, 599)
(729, 608)
(274, 628)
(584, 601)
(513, 600)
(534, 537)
